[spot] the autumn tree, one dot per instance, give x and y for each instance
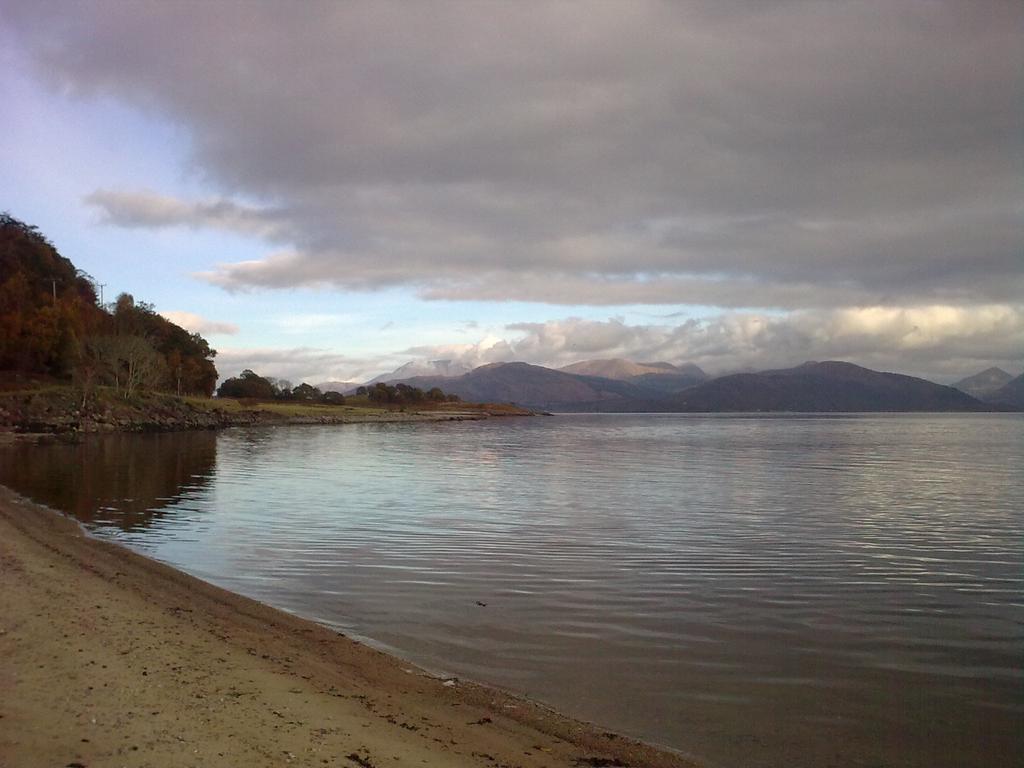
(46, 304)
(49, 312)
(188, 358)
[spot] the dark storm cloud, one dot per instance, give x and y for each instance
(783, 154)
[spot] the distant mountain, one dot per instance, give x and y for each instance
(822, 387)
(536, 387)
(811, 387)
(624, 370)
(661, 384)
(650, 379)
(692, 370)
(443, 368)
(985, 383)
(337, 386)
(1011, 393)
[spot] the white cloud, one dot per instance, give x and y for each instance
(941, 342)
(316, 321)
(147, 209)
(199, 324)
(300, 364)
(937, 341)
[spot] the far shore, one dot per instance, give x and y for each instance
(59, 410)
(108, 658)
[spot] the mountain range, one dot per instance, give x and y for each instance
(1009, 395)
(996, 387)
(623, 370)
(536, 387)
(445, 368)
(824, 387)
(983, 384)
(619, 385)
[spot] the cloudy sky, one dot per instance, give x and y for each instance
(327, 190)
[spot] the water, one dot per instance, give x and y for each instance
(753, 591)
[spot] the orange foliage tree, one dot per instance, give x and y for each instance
(49, 312)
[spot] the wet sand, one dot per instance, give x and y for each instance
(108, 658)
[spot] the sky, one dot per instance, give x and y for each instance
(328, 190)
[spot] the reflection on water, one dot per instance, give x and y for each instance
(121, 480)
(758, 591)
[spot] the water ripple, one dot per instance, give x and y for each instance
(687, 579)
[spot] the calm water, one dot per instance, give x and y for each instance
(754, 591)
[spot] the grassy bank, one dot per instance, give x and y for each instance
(62, 409)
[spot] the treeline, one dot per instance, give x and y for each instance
(403, 393)
(51, 324)
(250, 385)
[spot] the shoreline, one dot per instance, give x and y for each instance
(58, 411)
(110, 658)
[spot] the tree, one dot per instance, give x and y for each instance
(406, 394)
(49, 308)
(282, 388)
(128, 363)
(382, 393)
(247, 384)
(189, 358)
(89, 368)
(306, 393)
(141, 365)
(46, 306)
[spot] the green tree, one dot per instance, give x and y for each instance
(248, 384)
(307, 393)
(332, 397)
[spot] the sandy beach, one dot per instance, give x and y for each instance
(108, 658)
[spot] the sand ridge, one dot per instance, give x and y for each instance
(108, 658)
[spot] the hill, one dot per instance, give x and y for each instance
(812, 387)
(536, 387)
(440, 368)
(47, 306)
(1010, 394)
(651, 380)
(659, 385)
(344, 387)
(980, 385)
(822, 387)
(51, 325)
(621, 369)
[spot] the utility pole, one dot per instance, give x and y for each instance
(101, 286)
(53, 281)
